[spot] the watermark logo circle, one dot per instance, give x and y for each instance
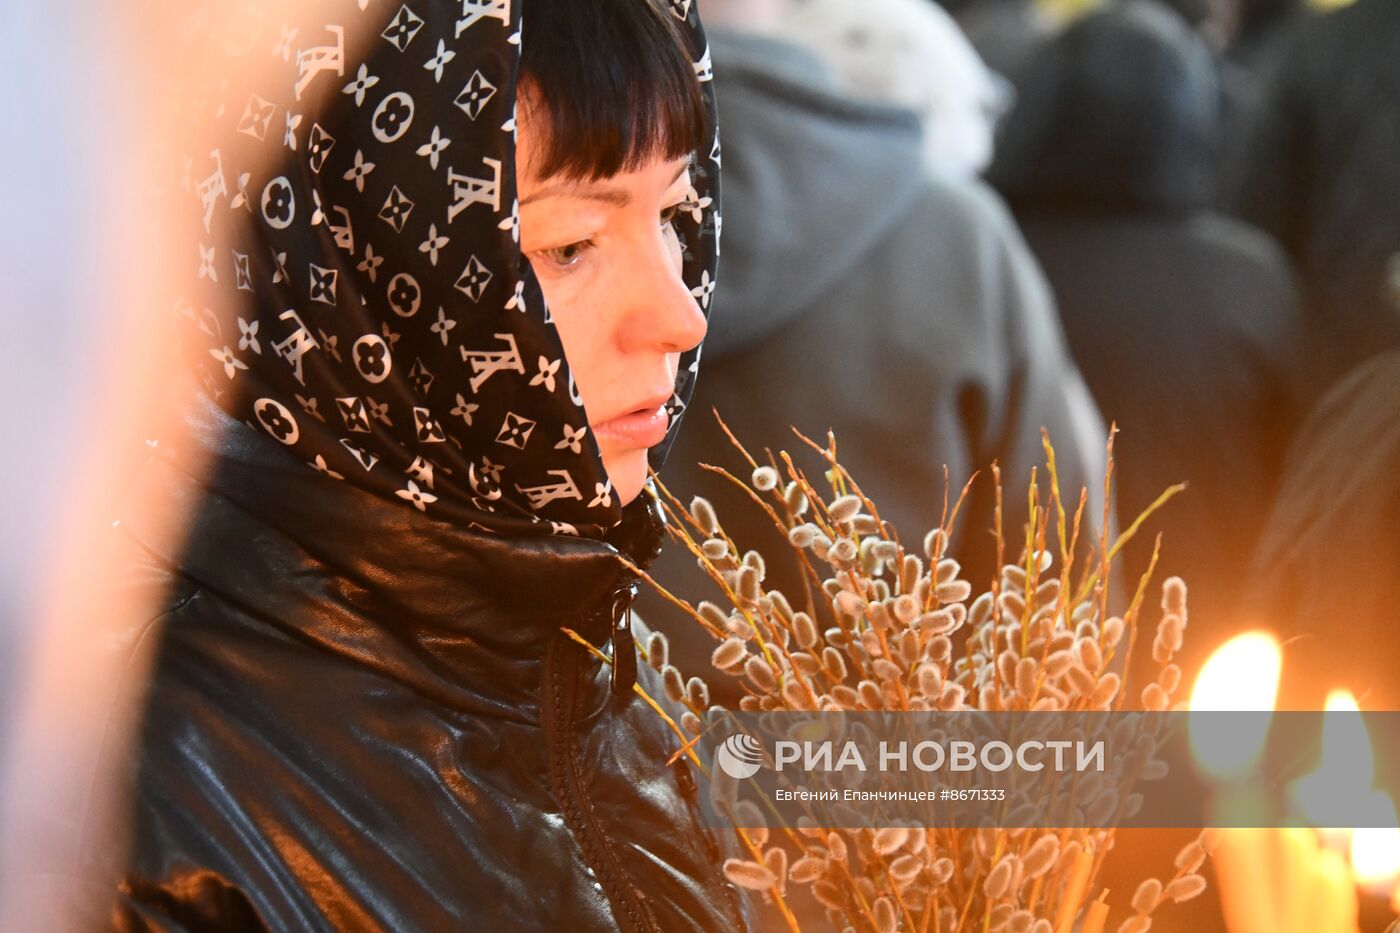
(740, 756)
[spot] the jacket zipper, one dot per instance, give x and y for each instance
(628, 909)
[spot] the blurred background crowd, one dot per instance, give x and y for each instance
(946, 227)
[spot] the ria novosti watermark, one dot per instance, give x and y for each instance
(1020, 769)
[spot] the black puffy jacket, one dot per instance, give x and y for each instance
(364, 719)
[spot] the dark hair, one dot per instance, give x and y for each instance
(616, 80)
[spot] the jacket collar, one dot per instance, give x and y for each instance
(454, 610)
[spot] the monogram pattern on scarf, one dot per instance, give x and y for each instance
(359, 291)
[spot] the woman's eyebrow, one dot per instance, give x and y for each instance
(592, 191)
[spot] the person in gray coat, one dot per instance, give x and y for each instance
(862, 295)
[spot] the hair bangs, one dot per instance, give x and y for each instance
(616, 80)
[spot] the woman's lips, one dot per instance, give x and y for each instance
(641, 428)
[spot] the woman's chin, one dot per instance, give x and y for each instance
(628, 472)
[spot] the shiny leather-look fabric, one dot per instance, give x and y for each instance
(363, 719)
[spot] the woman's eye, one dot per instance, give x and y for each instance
(669, 214)
(566, 256)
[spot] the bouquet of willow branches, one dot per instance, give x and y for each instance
(895, 628)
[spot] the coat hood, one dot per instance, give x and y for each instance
(360, 294)
(813, 181)
(1120, 112)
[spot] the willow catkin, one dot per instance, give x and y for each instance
(1154, 698)
(869, 561)
(941, 871)
(1170, 630)
(804, 630)
(1090, 655)
(729, 654)
(1185, 888)
(908, 648)
(1080, 681)
(802, 536)
(1145, 898)
(886, 920)
(1191, 857)
(929, 679)
(796, 695)
(863, 524)
(748, 584)
(776, 861)
(658, 650)
(714, 549)
(807, 869)
(828, 895)
(910, 570)
(906, 868)
(1041, 856)
(870, 695)
(886, 670)
(952, 697)
(1012, 605)
(1020, 922)
(843, 508)
(1170, 678)
(1106, 690)
(954, 592)
(938, 622)
(834, 663)
(750, 875)
(704, 514)
(1174, 595)
(1026, 671)
(836, 845)
(759, 671)
(697, 693)
(712, 614)
(935, 543)
(889, 840)
(998, 880)
(1112, 632)
(673, 684)
(1058, 663)
(1135, 925)
(765, 479)
(845, 696)
(690, 722)
(906, 608)
(1006, 666)
(795, 498)
(850, 603)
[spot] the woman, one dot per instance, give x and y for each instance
(364, 714)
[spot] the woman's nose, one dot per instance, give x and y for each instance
(665, 316)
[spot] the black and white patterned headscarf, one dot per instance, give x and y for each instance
(359, 235)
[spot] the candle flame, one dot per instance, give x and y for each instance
(1375, 851)
(1348, 764)
(1242, 674)
(1348, 769)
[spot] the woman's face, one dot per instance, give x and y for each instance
(609, 264)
